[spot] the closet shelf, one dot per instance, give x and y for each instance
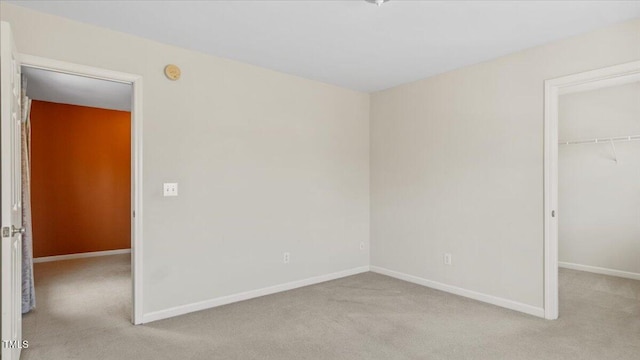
(607, 140)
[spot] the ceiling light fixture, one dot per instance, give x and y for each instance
(377, 2)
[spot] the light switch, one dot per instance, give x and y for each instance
(170, 189)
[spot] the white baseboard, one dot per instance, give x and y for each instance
(599, 270)
(224, 300)
(81, 255)
(505, 303)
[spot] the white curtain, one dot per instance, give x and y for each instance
(28, 291)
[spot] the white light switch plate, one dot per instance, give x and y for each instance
(170, 189)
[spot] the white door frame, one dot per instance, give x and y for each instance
(590, 80)
(136, 156)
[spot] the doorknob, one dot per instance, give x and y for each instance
(15, 230)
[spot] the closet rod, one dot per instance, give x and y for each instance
(600, 140)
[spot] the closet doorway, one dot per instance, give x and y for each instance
(87, 143)
(592, 186)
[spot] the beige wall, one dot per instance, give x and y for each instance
(599, 199)
(265, 162)
(457, 166)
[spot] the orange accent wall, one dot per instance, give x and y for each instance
(80, 179)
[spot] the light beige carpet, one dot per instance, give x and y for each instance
(84, 313)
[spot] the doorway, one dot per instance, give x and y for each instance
(84, 73)
(591, 80)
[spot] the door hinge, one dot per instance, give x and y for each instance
(134, 213)
(6, 232)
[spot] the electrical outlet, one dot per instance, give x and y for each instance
(362, 245)
(170, 189)
(286, 257)
(447, 259)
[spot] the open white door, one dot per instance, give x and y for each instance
(10, 196)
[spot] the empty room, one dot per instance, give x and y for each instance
(339, 179)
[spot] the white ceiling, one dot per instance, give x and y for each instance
(63, 88)
(350, 43)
